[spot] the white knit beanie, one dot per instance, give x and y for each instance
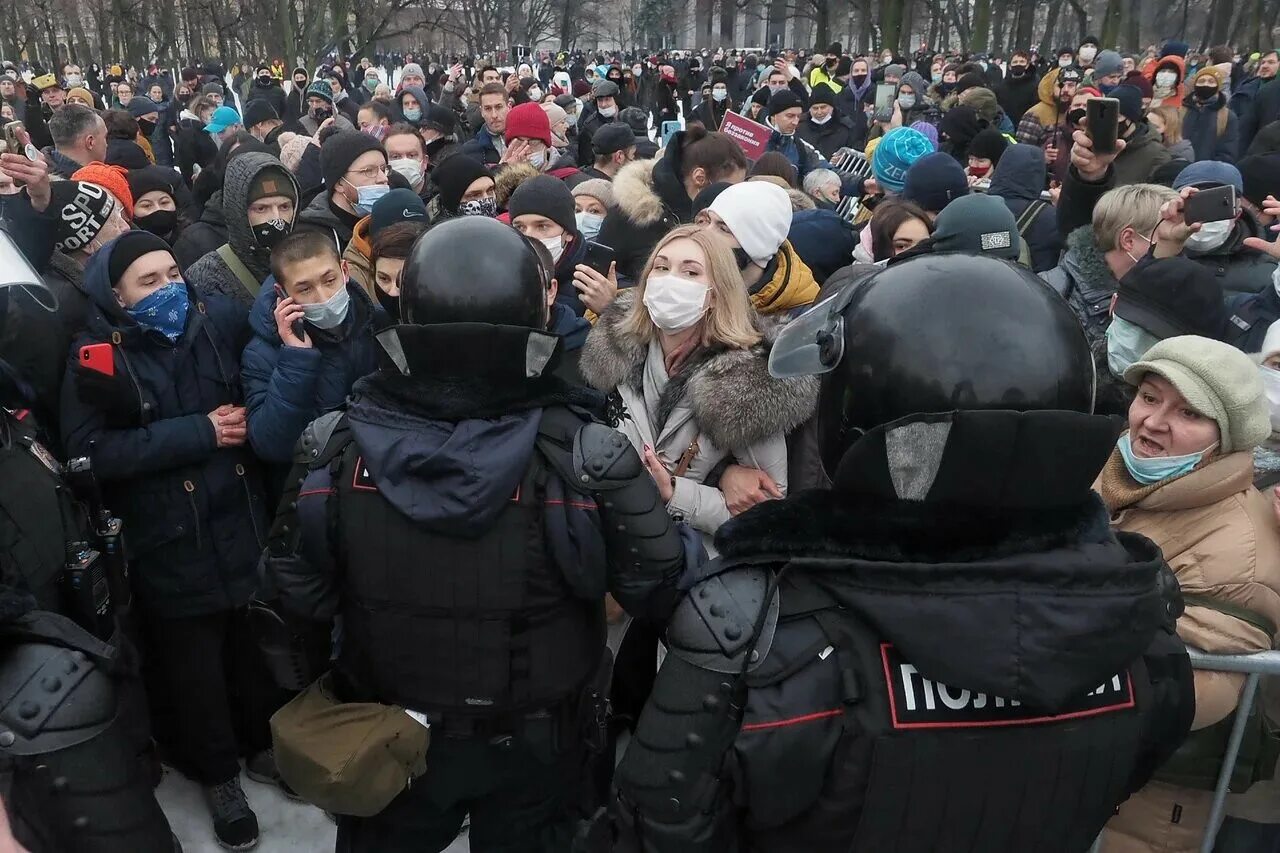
(758, 214)
(1217, 380)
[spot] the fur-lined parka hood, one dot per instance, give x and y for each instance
(634, 194)
(735, 401)
(506, 179)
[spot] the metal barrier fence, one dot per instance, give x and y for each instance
(1254, 666)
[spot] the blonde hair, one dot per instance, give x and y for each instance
(730, 319)
(1172, 118)
(1133, 205)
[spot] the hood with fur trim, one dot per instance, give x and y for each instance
(735, 401)
(506, 179)
(634, 194)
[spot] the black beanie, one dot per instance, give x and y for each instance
(845, 66)
(544, 196)
(708, 194)
(340, 150)
(822, 94)
(1261, 175)
(989, 145)
(130, 246)
(258, 110)
(151, 179)
(82, 209)
(453, 175)
(781, 101)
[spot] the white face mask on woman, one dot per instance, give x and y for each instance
(675, 303)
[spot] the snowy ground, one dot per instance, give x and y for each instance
(286, 826)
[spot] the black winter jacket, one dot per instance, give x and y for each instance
(195, 512)
(1200, 128)
(841, 131)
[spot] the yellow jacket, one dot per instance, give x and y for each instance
(792, 285)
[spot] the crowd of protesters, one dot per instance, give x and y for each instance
(237, 238)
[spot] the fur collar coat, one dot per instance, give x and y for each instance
(720, 403)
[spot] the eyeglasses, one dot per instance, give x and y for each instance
(370, 171)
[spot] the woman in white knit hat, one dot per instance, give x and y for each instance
(1182, 475)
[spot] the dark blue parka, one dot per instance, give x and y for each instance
(193, 513)
(286, 388)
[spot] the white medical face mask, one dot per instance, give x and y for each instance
(1271, 384)
(1166, 79)
(1088, 53)
(608, 112)
(675, 303)
(1210, 236)
(555, 245)
(821, 121)
(589, 224)
(409, 168)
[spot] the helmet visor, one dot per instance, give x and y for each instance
(16, 271)
(813, 343)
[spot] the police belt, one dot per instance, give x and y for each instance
(559, 721)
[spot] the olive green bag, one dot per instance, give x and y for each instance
(350, 758)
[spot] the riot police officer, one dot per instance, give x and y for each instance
(464, 516)
(74, 742)
(947, 650)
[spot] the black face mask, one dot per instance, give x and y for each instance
(857, 79)
(299, 84)
(321, 113)
(147, 126)
(743, 259)
(268, 234)
(264, 80)
(389, 303)
(1204, 94)
(1018, 71)
(184, 98)
(159, 222)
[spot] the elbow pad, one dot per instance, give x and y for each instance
(643, 543)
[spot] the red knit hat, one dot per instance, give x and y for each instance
(114, 179)
(530, 122)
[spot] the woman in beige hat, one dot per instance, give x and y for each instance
(1182, 475)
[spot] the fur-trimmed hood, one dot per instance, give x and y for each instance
(506, 179)
(735, 402)
(634, 194)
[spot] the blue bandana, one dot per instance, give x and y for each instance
(164, 310)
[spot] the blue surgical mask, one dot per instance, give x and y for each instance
(163, 310)
(1157, 469)
(367, 196)
(589, 224)
(412, 113)
(330, 313)
(537, 159)
(1126, 345)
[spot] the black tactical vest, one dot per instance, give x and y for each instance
(35, 512)
(451, 627)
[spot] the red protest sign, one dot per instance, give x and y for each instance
(752, 137)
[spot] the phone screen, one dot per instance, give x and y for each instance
(884, 96)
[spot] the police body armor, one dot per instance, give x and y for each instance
(79, 776)
(888, 759)
(38, 513)
(478, 633)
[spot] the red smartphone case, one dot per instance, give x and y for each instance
(99, 357)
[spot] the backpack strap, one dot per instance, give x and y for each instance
(237, 266)
(1029, 216)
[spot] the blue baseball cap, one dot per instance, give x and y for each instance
(223, 117)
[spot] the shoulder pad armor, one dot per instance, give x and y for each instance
(712, 627)
(315, 438)
(603, 458)
(54, 698)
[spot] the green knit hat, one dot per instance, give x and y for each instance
(1217, 380)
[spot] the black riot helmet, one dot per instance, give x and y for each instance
(473, 269)
(473, 305)
(936, 334)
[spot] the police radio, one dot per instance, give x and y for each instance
(96, 578)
